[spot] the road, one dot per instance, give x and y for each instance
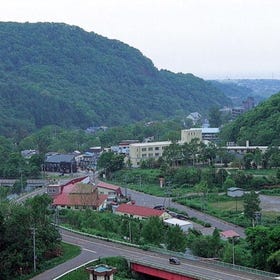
(93, 248)
(150, 201)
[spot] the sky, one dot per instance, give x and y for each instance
(212, 39)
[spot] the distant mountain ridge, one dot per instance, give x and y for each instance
(53, 73)
(239, 89)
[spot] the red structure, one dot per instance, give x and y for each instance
(158, 273)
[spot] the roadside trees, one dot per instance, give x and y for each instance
(176, 239)
(251, 206)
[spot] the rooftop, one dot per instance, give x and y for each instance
(139, 210)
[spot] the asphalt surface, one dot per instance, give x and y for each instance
(93, 248)
(151, 201)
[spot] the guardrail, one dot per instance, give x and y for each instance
(197, 276)
(181, 255)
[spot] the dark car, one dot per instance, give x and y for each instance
(182, 217)
(159, 207)
(174, 260)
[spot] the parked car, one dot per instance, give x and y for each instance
(174, 260)
(182, 217)
(159, 207)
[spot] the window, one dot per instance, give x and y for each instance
(144, 149)
(150, 155)
(157, 154)
(150, 149)
(144, 155)
(157, 148)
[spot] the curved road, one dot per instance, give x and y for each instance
(93, 248)
(150, 201)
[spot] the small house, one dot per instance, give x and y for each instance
(235, 192)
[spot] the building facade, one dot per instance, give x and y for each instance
(143, 151)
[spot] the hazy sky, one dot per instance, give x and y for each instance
(209, 38)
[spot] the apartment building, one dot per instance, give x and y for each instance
(144, 151)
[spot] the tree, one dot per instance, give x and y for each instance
(248, 159)
(215, 117)
(208, 152)
(192, 149)
(274, 261)
(229, 183)
(110, 162)
(16, 243)
(251, 205)
(152, 231)
(258, 240)
(172, 154)
(176, 239)
(202, 187)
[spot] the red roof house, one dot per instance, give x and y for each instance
(229, 234)
(79, 195)
(111, 190)
(136, 211)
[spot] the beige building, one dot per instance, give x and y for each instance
(144, 151)
(188, 134)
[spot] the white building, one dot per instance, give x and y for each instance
(184, 225)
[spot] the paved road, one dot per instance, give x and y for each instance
(93, 249)
(150, 201)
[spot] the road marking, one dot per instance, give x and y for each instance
(89, 250)
(77, 267)
(195, 267)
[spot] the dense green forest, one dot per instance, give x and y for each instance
(58, 74)
(261, 126)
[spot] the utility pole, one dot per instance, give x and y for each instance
(21, 185)
(34, 247)
(233, 253)
(130, 233)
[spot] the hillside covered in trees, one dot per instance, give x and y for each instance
(261, 125)
(53, 73)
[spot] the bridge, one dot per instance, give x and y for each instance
(32, 183)
(197, 270)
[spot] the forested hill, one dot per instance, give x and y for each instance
(261, 125)
(53, 73)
